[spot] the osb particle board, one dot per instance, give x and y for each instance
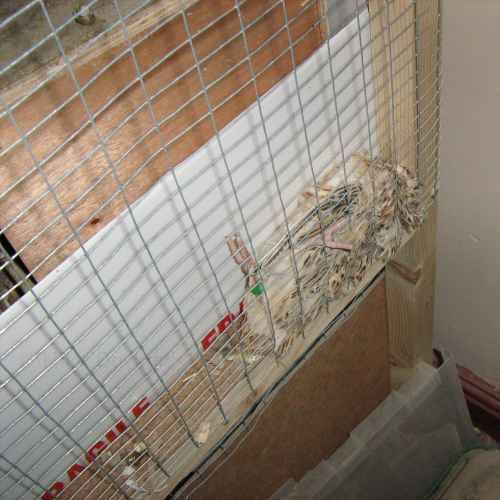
(313, 414)
(80, 171)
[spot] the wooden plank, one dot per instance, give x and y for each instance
(411, 305)
(83, 40)
(407, 106)
(393, 52)
(179, 106)
(428, 84)
(380, 61)
(312, 415)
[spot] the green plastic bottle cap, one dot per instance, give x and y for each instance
(258, 289)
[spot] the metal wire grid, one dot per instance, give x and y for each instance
(43, 162)
(162, 452)
(117, 129)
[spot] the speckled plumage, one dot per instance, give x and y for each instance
(362, 220)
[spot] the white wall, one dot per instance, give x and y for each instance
(467, 320)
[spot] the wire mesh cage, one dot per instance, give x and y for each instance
(190, 192)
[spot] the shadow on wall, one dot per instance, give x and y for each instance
(341, 12)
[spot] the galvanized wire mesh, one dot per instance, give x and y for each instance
(110, 380)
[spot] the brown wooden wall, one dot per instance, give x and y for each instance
(182, 112)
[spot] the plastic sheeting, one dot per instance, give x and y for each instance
(402, 450)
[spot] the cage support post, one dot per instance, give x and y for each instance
(410, 303)
(407, 133)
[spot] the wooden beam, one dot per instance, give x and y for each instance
(410, 304)
(428, 84)
(82, 41)
(405, 44)
(393, 55)
(114, 95)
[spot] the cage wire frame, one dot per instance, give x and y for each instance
(164, 452)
